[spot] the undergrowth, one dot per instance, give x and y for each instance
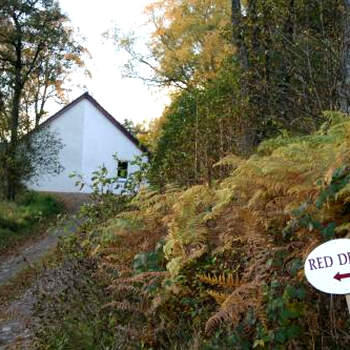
(22, 219)
(218, 267)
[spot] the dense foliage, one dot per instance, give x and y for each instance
(197, 129)
(217, 267)
(240, 72)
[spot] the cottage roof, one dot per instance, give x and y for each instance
(107, 115)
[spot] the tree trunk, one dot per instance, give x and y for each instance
(39, 111)
(11, 176)
(238, 39)
(344, 92)
(246, 139)
(16, 101)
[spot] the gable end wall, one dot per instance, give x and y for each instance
(100, 141)
(69, 127)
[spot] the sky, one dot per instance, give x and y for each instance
(122, 97)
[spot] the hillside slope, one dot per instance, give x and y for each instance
(222, 267)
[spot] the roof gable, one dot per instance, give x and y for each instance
(107, 115)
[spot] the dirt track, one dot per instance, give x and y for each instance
(14, 325)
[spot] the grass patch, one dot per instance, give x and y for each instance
(25, 218)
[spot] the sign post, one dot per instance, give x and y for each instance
(327, 268)
(347, 297)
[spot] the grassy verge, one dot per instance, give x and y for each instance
(26, 218)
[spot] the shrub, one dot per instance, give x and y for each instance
(17, 220)
(35, 203)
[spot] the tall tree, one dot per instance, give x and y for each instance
(48, 80)
(188, 44)
(345, 82)
(243, 71)
(238, 39)
(29, 29)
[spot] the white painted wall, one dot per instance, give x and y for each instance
(101, 140)
(69, 128)
(90, 140)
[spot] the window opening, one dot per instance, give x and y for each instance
(122, 170)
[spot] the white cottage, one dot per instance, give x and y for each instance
(91, 137)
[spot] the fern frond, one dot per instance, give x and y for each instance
(112, 258)
(122, 289)
(215, 320)
(227, 243)
(343, 227)
(195, 253)
(261, 313)
(229, 281)
(235, 305)
(219, 297)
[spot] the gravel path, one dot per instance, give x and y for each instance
(14, 330)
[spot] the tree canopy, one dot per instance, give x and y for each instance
(240, 72)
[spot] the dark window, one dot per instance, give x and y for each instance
(123, 170)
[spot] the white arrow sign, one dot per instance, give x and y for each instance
(327, 267)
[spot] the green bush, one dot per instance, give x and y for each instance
(9, 225)
(150, 261)
(17, 220)
(36, 203)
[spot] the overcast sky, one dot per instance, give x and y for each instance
(123, 98)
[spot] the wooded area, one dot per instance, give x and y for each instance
(240, 72)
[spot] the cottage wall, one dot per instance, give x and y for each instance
(101, 141)
(69, 127)
(90, 141)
